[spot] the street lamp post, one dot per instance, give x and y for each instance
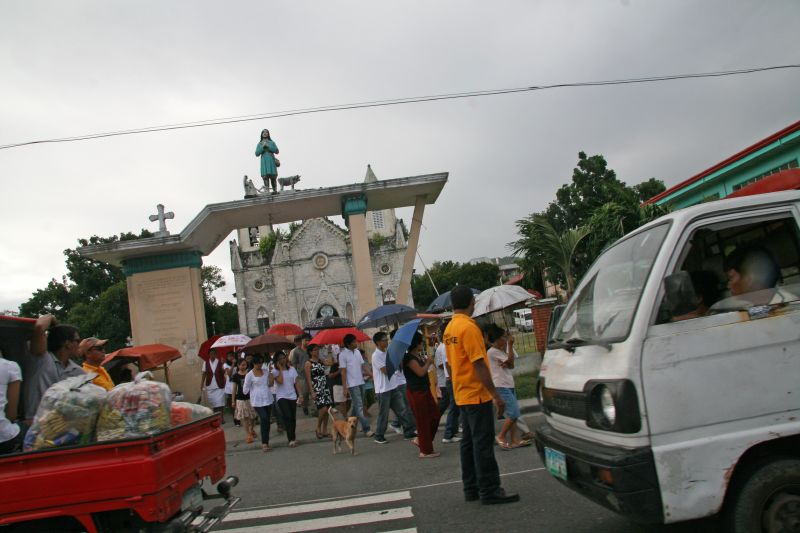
(213, 328)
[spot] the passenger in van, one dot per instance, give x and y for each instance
(752, 274)
(53, 348)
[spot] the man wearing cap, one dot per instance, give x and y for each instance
(93, 354)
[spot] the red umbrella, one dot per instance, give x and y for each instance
(336, 336)
(267, 342)
(147, 356)
(286, 329)
(206, 346)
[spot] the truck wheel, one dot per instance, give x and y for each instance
(768, 500)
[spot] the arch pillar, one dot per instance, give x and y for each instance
(165, 299)
(354, 209)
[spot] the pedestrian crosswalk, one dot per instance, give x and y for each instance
(389, 512)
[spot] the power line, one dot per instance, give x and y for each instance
(394, 101)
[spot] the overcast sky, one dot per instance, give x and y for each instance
(77, 67)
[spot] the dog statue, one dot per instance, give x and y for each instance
(343, 430)
(288, 181)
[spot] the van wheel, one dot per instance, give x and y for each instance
(768, 500)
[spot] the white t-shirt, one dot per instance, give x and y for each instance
(440, 360)
(383, 383)
(258, 389)
(351, 361)
(501, 377)
(285, 390)
(9, 373)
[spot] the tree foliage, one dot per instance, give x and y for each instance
(93, 296)
(589, 213)
(448, 274)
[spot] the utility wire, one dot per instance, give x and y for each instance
(395, 101)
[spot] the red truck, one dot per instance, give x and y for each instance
(145, 484)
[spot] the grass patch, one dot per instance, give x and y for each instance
(525, 385)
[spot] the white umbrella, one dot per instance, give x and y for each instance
(499, 298)
(231, 341)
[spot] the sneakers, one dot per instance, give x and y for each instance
(369, 433)
(451, 440)
(380, 440)
(397, 429)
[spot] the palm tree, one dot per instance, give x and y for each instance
(558, 249)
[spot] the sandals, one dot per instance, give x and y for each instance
(433, 455)
(293, 444)
(248, 439)
(503, 444)
(320, 436)
(265, 448)
(415, 442)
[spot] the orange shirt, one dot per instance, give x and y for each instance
(464, 343)
(102, 379)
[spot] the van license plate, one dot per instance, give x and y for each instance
(556, 463)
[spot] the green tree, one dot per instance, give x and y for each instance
(105, 317)
(594, 201)
(55, 299)
(647, 189)
(559, 248)
(446, 274)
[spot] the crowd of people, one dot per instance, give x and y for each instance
(471, 383)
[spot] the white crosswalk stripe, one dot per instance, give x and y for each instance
(304, 522)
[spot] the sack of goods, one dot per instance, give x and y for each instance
(135, 409)
(184, 412)
(67, 414)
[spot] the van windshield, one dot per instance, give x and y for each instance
(605, 301)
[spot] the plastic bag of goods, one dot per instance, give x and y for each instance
(135, 409)
(67, 414)
(185, 412)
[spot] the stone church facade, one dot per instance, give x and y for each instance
(310, 274)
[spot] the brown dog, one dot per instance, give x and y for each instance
(343, 430)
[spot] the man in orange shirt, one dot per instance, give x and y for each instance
(474, 392)
(92, 350)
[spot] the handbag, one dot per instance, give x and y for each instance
(277, 162)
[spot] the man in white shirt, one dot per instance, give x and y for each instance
(389, 397)
(446, 400)
(351, 364)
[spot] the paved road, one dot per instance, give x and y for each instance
(387, 488)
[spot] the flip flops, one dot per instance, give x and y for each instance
(503, 444)
(433, 455)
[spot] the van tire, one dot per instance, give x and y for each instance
(768, 499)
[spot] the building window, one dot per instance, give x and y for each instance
(253, 232)
(785, 166)
(377, 219)
(262, 317)
(326, 311)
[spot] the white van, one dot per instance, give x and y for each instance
(523, 319)
(671, 383)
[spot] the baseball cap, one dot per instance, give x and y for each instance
(89, 343)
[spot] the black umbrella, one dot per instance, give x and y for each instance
(387, 315)
(329, 322)
(442, 302)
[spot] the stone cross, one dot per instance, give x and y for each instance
(161, 217)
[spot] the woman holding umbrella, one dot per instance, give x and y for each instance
(418, 392)
(320, 393)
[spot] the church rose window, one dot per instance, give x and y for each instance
(386, 269)
(320, 261)
(258, 285)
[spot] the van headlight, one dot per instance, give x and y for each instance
(613, 406)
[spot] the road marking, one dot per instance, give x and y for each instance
(321, 506)
(348, 520)
(412, 530)
(333, 498)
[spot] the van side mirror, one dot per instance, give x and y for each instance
(679, 294)
(555, 316)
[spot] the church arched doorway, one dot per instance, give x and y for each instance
(326, 310)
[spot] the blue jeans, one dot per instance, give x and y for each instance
(394, 400)
(357, 397)
(451, 425)
(264, 420)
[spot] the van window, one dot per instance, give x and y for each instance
(605, 301)
(732, 266)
